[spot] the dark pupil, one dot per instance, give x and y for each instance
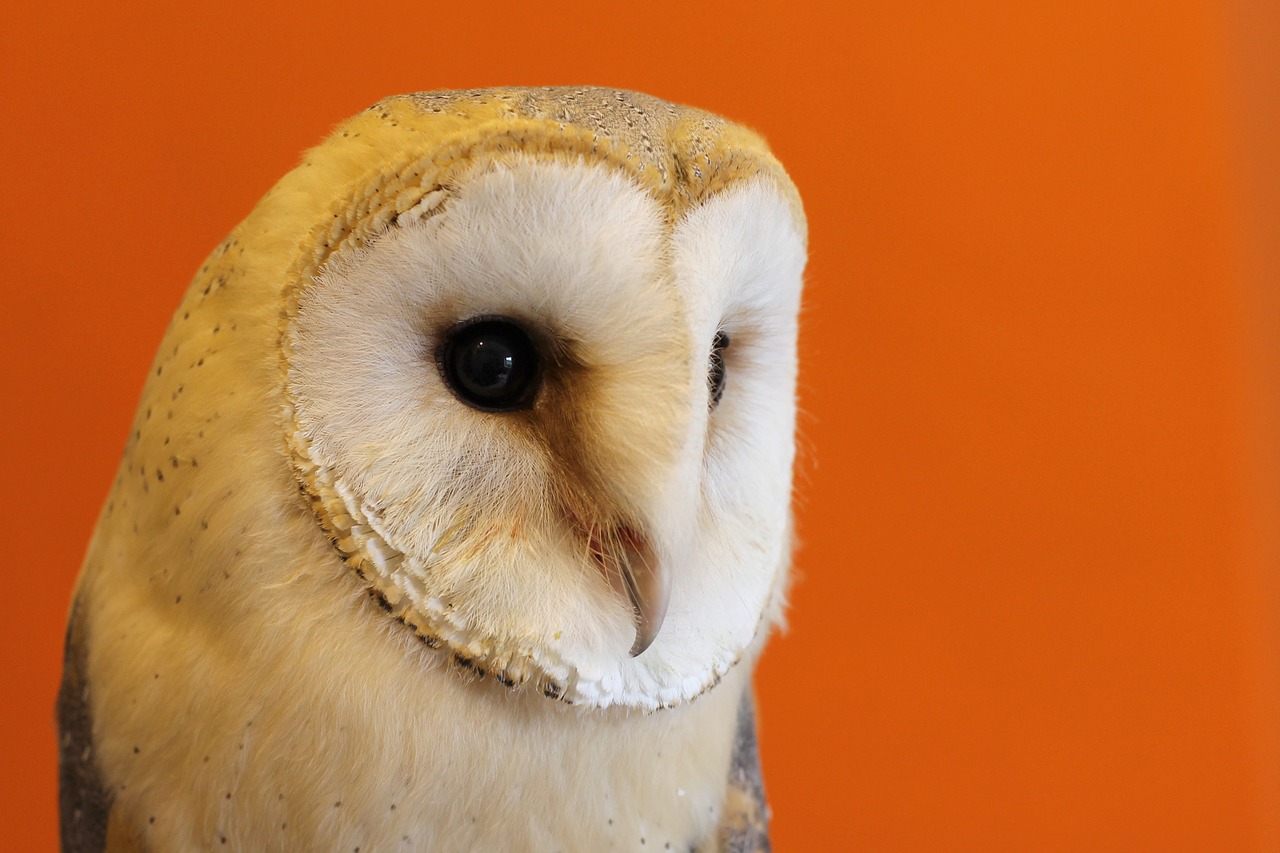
(715, 368)
(491, 364)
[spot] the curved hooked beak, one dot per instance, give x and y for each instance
(634, 570)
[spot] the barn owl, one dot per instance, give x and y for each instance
(456, 510)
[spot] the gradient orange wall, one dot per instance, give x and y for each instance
(1037, 604)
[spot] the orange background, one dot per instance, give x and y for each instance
(1038, 604)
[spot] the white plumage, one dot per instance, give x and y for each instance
(338, 602)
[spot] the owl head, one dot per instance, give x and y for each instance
(536, 356)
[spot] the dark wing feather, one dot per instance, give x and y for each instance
(744, 824)
(84, 805)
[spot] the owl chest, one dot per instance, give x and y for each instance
(462, 775)
(321, 746)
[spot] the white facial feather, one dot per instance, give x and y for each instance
(460, 509)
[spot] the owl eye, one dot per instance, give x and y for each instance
(490, 364)
(715, 367)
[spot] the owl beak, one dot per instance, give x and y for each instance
(633, 569)
(648, 587)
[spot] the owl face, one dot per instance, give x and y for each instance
(546, 415)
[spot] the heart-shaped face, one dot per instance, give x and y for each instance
(540, 381)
